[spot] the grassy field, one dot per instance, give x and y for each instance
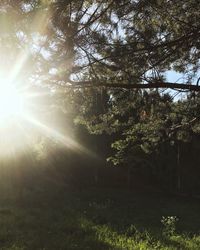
(95, 219)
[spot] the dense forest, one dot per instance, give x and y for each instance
(99, 110)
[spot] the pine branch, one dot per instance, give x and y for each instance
(176, 127)
(151, 85)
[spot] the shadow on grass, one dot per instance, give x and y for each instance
(91, 219)
(44, 223)
(124, 208)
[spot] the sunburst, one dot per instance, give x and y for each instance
(17, 100)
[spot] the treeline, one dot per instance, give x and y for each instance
(140, 140)
(92, 61)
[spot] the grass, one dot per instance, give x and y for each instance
(96, 219)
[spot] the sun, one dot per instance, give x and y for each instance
(11, 102)
(22, 121)
(25, 103)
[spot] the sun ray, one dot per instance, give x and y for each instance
(16, 109)
(55, 135)
(19, 96)
(39, 25)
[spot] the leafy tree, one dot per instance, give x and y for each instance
(94, 53)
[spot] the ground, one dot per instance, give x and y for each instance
(96, 219)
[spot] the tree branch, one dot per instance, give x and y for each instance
(156, 85)
(176, 127)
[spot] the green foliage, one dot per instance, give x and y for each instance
(71, 45)
(169, 224)
(108, 41)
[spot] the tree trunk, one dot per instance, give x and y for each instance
(178, 168)
(129, 177)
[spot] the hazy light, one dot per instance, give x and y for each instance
(11, 101)
(21, 108)
(55, 135)
(15, 111)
